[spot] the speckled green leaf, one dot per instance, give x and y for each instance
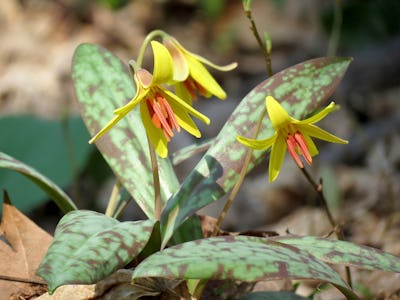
(241, 258)
(340, 252)
(54, 192)
(89, 246)
(283, 295)
(102, 84)
(301, 89)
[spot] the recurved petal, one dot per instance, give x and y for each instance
(176, 101)
(310, 145)
(163, 71)
(140, 95)
(320, 115)
(155, 135)
(315, 131)
(278, 115)
(106, 128)
(185, 121)
(200, 74)
(181, 68)
(205, 61)
(276, 159)
(201, 58)
(257, 144)
(182, 92)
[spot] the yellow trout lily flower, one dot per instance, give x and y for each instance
(161, 111)
(293, 135)
(190, 76)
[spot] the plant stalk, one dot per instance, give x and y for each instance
(318, 187)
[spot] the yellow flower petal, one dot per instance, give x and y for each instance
(312, 149)
(163, 65)
(224, 68)
(106, 128)
(257, 144)
(181, 68)
(182, 92)
(278, 115)
(320, 115)
(155, 135)
(185, 121)
(174, 100)
(202, 59)
(276, 159)
(315, 131)
(200, 74)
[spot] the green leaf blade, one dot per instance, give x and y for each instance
(238, 258)
(54, 192)
(89, 246)
(102, 84)
(301, 89)
(346, 253)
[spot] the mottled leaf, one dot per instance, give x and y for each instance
(102, 84)
(52, 190)
(89, 246)
(301, 89)
(241, 258)
(283, 295)
(341, 252)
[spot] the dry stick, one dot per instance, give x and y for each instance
(156, 178)
(260, 42)
(339, 233)
(249, 154)
(238, 184)
(24, 280)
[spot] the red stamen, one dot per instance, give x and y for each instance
(162, 115)
(292, 149)
(301, 142)
(191, 87)
(201, 89)
(169, 113)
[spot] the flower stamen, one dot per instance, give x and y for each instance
(296, 145)
(193, 86)
(162, 115)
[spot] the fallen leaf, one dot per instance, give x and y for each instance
(22, 246)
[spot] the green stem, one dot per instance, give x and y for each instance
(156, 179)
(114, 199)
(318, 187)
(146, 42)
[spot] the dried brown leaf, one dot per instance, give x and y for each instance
(22, 246)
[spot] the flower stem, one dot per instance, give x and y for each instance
(146, 42)
(249, 153)
(239, 182)
(114, 199)
(263, 48)
(156, 179)
(318, 187)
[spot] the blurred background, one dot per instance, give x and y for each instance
(40, 123)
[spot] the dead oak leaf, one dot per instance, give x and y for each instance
(22, 247)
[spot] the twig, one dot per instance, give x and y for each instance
(24, 280)
(318, 187)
